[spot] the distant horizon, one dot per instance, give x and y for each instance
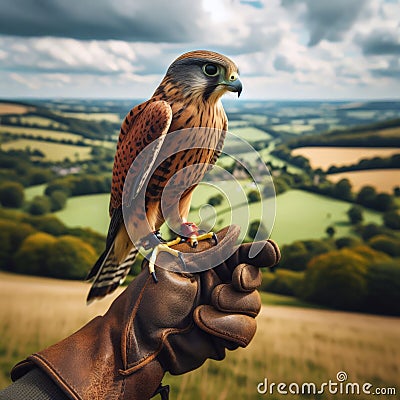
(333, 100)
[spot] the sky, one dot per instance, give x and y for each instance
(285, 49)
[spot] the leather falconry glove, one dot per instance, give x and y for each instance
(173, 325)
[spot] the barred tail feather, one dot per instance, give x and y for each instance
(108, 274)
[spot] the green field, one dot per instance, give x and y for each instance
(254, 118)
(292, 344)
(32, 191)
(37, 132)
(299, 214)
(52, 151)
(293, 128)
(88, 211)
(111, 117)
(251, 134)
(41, 121)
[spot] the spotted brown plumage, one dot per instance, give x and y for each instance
(188, 97)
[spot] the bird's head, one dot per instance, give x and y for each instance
(203, 74)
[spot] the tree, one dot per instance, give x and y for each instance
(391, 219)
(384, 202)
(346, 242)
(253, 196)
(11, 194)
(330, 231)
(355, 215)
(366, 196)
(280, 184)
(32, 257)
(383, 280)
(342, 190)
(46, 223)
(295, 256)
(257, 231)
(336, 279)
(283, 282)
(370, 230)
(70, 258)
(39, 205)
(215, 200)
(386, 244)
(12, 234)
(58, 199)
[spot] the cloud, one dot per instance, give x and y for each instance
(390, 70)
(327, 19)
(152, 20)
(122, 48)
(282, 63)
(380, 42)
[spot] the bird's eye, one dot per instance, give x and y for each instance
(210, 70)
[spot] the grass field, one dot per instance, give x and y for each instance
(52, 151)
(293, 128)
(384, 180)
(32, 191)
(291, 344)
(251, 134)
(111, 117)
(37, 132)
(41, 121)
(324, 157)
(90, 210)
(299, 214)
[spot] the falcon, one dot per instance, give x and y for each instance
(189, 96)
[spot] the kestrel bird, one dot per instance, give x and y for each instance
(189, 96)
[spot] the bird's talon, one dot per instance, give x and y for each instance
(193, 242)
(154, 276)
(215, 238)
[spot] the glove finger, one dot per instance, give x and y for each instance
(236, 328)
(268, 255)
(246, 278)
(226, 299)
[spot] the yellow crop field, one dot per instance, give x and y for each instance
(324, 157)
(292, 344)
(384, 180)
(52, 151)
(37, 132)
(12, 108)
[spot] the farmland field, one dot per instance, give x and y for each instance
(324, 157)
(37, 132)
(12, 108)
(32, 191)
(291, 344)
(251, 134)
(52, 151)
(293, 128)
(299, 214)
(384, 180)
(89, 211)
(111, 117)
(41, 121)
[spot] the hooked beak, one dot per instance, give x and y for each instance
(235, 86)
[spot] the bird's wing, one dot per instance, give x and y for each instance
(152, 122)
(220, 145)
(143, 124)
